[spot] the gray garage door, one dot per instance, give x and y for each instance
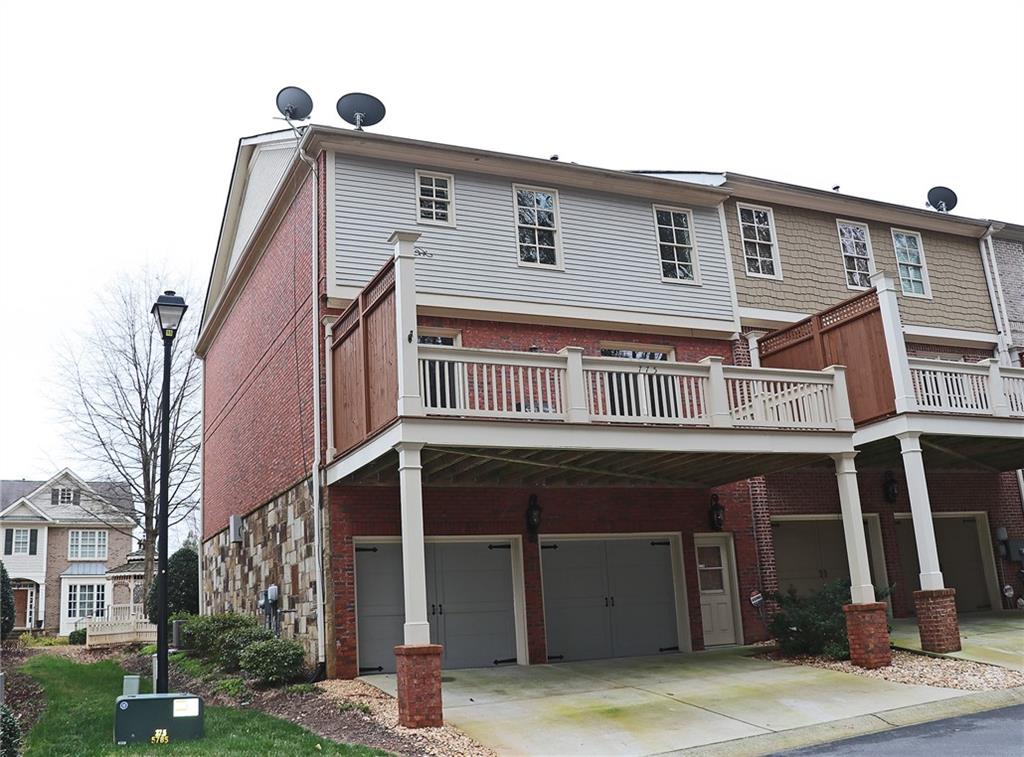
(608, 598)
(812, 553)
(956, 539)
(469, 598)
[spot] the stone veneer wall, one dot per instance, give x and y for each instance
(277, 548)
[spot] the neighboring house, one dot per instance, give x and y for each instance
(533, 441)
(1008, 267)
(59, 538)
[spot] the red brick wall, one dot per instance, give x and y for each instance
(815, 492)
(374, 511)
(257, 437)
(498, 335)
(966, 354)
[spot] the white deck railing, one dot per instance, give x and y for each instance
(121, 624)
(984, 388)
(571, 388)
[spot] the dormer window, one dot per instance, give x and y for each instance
(65, 495)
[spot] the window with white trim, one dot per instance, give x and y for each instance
(20, 541)
(757, 235)
(676, 246)
(537, 225)
(855, 245)
(87, 600)
(87, 545)
(65, 495)
(910, 261)
(435, 198)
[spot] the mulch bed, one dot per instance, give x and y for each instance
(22, 694)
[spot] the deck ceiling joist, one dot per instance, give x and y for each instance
(490, 466)
(963, 452)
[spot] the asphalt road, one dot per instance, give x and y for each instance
(999, 733)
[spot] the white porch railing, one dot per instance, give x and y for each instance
(568, 387)
(984, 388)
(122, 624)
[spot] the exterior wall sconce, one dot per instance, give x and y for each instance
(1003, 540)
(716, 514)
(533, 512)
(890, 487)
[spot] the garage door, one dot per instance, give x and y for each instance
(811, 553)
(469, 601)
(959, 559)
(608, 598)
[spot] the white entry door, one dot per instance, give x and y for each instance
(717, 594)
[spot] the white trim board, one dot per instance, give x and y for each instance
(939, 424)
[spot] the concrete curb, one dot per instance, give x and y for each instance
(862, 725)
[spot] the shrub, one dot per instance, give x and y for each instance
(10, 733)
(233, 687)
(204, 634)
(182, 584)
(274, 661)
(6, 603)
(814, 624)
(77, 636)
(43, 641)
(235, 641)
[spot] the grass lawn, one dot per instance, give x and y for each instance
(79, 720)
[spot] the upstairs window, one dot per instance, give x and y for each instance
(20, 541)
(87, 545)
(537, 226)
(675, 244)
(855, 244)
(64, 496)
(910, 261)
(757, 234)
(435, 198)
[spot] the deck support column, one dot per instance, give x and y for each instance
(418, 662)
(866, 621)
(934, 604)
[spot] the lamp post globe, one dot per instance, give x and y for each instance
(168, 311)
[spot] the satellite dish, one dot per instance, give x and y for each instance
(360, 109)
(294, 103)
(943, 199)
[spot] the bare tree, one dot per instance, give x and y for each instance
(112, 384)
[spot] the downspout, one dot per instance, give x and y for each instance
(987, 250)
(321, 641)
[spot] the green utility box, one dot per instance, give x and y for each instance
(157, 719)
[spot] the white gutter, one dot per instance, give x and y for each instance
(987, 250)
(321, 641)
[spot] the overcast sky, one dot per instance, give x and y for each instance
(120, 120)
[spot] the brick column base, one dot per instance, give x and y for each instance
(868, 629)
(937, 621)
(418, 671)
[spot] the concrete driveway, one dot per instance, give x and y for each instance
(649, 705)
(995, 638)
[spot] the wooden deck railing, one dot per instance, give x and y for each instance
(120, 624)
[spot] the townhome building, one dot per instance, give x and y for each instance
(465, 408)
(919, 306)
(60, 538)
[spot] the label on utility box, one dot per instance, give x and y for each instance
(186, 708)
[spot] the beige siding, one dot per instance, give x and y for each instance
(813, 277)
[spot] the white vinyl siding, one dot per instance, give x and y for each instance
(910, 263)
(86, 600)
(758, 240)
(677, 250)
(608, 246)
(855, 247)
(435, 198)
(87, 545)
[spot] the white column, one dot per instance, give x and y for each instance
(753, 348)
(717, 399)
(899, 367)
(409, 400)
(861, 589)
(575, 388)
(41, 609)
(840, 398)
(996, 391)
(921, 510)
(414, 572)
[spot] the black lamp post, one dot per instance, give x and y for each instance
(168, 311)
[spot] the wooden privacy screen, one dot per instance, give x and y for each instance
(364, 363)
(849, 334)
